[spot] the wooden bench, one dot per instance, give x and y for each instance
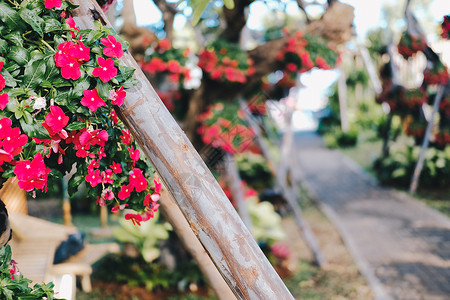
(34, 244)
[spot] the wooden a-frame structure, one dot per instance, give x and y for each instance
(189, 182)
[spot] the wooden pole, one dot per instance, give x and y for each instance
(288, 194)
(342, 94)
(426, 141)
(173, 214)
(236, 190)
(205, 206)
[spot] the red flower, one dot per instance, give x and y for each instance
(134, 154)
(135, 218)
(2, 80)
(106, 70)
(11, 140)
(4, 99)
(126, 137)
(114, 117)
(52, 3)
(116, 167)
(106, 175)
(94, 177)
(112, 48)
(137, 180)
(32, 174)
(117, 97)
(71, 70)
(95, 137)
(125, 192)
(56, 119)
(118, 207)
(92, 100)
(71, 22)
(79, 52)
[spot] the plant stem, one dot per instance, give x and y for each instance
(48, 46)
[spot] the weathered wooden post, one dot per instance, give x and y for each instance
(211, 216)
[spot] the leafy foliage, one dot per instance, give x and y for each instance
(15, 286)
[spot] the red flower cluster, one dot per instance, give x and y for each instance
(232, 137)
(438, 74)
(32, 174)
(302, 53)
(169, 60)
(409, 45)
(69, 57)
(11, 141)
(225, 69)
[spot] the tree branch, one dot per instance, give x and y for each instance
(168, 15)
(235, 20)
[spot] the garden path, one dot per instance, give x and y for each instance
(400, 245)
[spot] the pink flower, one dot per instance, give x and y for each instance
(112, 48)
(135, 218)
(137, 180)
(94, 177)
(125, 192)
(106, 175)
(52, 3)
(92, 100)
(32, 174)
(134, 153)
(114, 117)
(79, 52)
(116, 167)
(71, 22)
(95, 137)
(126, 137)
(117, 97)
(106, 70)
(71, 70)
(4, 99)
(118, 207)
(56, 119)
(107, 194)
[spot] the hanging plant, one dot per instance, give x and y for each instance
(224, 127)
(409, 44)
(445, 27)
(163, 59)
(305, 52)
(59, 90)
(225, 62)
(413, 99)
(437, 74)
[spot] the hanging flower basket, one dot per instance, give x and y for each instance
(305, 52)
(437, 74)
(225, 62)
(224, 127)
(445, 27)
(59, 90)
(409, 44)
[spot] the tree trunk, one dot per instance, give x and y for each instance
(207, 209)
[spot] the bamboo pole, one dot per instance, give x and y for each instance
(426, 141)
(207, 209)
(173, 214)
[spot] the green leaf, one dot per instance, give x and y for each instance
(130, 83)
(34, 130)
(229, 4)
(198, 6)
(103, 89)
(80, 86)
(52, 25)
(34, 74)
(15, 37)
(11, 17)
(33, 19)
(19, 55)
(77, 125)
(9, 79)
(3, 46)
